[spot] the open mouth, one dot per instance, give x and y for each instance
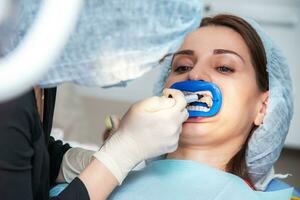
(205, 97)
(203, 104)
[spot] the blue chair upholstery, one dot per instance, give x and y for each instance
(276, 184)
(56, 190)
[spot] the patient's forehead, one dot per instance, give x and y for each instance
(206, 39)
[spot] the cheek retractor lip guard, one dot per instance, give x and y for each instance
(208, 99)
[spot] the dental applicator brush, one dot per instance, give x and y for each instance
(193, 97)
(190, 98)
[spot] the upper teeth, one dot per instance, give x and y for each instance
(207, 97)
(208, 100)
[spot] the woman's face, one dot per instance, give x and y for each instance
(219, 55)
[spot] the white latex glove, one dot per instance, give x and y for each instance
(75, 160)
(149, 128)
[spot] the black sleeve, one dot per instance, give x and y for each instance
(19, 130)
(56, 150)
(75, 191)
(16, 150)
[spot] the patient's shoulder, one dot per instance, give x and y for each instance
(277, 184)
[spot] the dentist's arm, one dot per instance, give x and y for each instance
(98, 180)
(150, 128)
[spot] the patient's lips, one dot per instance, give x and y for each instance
(204, 99)
(194, 119)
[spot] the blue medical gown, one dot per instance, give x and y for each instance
(179, 179)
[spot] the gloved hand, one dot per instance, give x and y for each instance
(75, 160)
(149, 128)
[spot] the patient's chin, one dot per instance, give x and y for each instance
(194, 130)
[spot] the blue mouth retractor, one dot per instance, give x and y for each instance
(198, 86)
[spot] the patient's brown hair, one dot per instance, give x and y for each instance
(237, 165)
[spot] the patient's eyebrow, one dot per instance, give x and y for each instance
(181, 52)
(185, 52)
(226, 51)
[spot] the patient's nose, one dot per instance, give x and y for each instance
(200, 74)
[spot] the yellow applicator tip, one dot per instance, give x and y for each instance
(108, 123)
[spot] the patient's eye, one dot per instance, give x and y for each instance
(224, 69)
(182, 69)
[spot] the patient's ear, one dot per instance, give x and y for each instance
(262, 109)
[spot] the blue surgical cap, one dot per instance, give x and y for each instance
(266, 142)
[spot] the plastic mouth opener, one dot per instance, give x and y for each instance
(194, 91)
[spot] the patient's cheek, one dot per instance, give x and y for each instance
(168, 83)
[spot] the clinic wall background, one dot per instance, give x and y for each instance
(80, 112)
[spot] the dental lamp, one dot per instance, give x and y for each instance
(31, 59)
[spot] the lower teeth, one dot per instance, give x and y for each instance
(198, 108)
